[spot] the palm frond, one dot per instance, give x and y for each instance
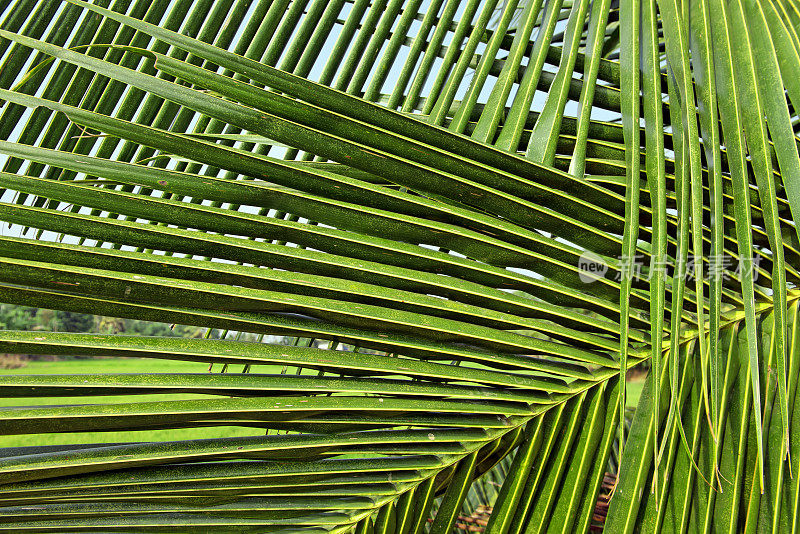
(472, 219)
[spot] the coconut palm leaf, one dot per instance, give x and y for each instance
(432, 238)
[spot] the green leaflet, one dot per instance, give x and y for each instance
(629, 84)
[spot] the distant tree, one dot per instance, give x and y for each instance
(109, 325)
(16, 317)
(45, 319)
(74, 322)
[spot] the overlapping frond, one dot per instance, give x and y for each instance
(468, 218)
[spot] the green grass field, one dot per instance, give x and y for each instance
(141, 365)
(634, 391)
